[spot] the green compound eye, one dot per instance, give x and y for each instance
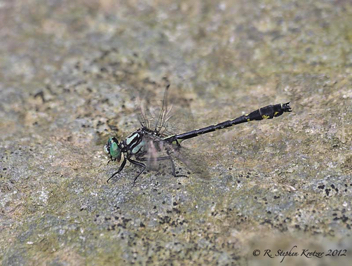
(112, 148)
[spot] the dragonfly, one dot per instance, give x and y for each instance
(149, 145)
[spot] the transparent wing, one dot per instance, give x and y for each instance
(154, 152)
(167, 115)
(167, 119)
(160, 155)
(191, 160)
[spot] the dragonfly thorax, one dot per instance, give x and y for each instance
(134, 143)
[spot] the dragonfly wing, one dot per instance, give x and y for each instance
(154, 152)
(193, 162)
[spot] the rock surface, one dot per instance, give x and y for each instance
(71, 74)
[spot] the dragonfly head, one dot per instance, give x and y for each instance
(112, 148)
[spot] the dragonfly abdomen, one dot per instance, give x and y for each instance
(267, 112)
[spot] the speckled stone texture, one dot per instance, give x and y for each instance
(72, 73)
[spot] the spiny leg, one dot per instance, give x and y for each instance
(173, 168)
(172, 162)
(139, 164)
(118, 171)
(166, 158)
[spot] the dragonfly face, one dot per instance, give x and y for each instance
(113, 149)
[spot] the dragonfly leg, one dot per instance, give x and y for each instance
(118, 171)
(166, 158)
(139, 164)
(173, 166)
